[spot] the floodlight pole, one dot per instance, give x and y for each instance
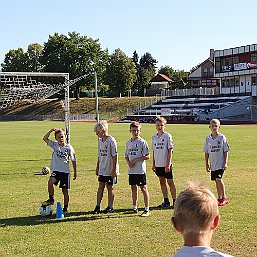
(67, 109)
(96, 98)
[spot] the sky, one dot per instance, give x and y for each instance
(178, 33)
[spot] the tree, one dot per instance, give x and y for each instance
(76, 55)
(146, 71)
(15, 60)
(120, 72)
(33, 56)
(167, 70)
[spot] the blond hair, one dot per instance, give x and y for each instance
(215, 121)
(195, 208)
(160, 119)
(101, 126)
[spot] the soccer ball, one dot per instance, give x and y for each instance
(45, 170)
(46, 210)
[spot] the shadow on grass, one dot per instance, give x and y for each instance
(71, 216)
(37, 160)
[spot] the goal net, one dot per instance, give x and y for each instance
(16, 86)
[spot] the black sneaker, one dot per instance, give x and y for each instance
(164, 205)
(108, 210)
(48, 202)
(97, 210)
(65, 211)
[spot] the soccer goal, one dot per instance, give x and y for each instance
(16, 86)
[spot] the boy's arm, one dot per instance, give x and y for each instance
(153, 165)
(142, 158)
(97, 167)
(114, 166)
(169, 160)
(207, 167)
(46, 136)
(74, 164)
(225, 163)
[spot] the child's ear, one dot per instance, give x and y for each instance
(215, 222)
(175, 225)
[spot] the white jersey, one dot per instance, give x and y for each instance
(160, 147)
(106, 150)
(136, 149)
(61, 156)
(216, 148)
(198, 251)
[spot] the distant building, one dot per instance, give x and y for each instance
(203, 75)
(160, 81)
(237, 69)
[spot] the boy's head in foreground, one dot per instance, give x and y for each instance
(196, 210)
(60, 136)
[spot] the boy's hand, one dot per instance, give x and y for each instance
(208, 168)
(167, 168)
(96, 171)
(75, 175)
(225, 166)
(113, 173)
(132, 163)
(153, 167)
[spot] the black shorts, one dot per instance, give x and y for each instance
(63, 178)
(137, 179)
(217, 174)
(107, 179)
(160, 172)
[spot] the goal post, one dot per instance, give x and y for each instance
(27, 85)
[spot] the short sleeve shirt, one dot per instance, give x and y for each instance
(216, 148)
(106, 151)
(61, 156)
(160, 147)
(136, 149)
(199, 251)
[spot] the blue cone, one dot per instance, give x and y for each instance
(59, 212)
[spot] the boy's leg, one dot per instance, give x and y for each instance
(134, 194)
(110, 195)
(50, 186)
(220, 188)
(172, 189)
(146, 196)
(100, 193)
(163, 187)
(66, 198)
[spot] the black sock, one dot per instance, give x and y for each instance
(174, 201)
(166, 201)
(51, 197)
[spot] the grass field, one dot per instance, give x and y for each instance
(24, 233)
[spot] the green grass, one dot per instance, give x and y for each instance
(24, 233)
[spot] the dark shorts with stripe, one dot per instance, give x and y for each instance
(107, 179)
(63, 178)
(160, 172)
(137, 179)
(217, 174)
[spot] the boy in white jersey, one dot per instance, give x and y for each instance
(162, 147)
(136, 153)
(107, 166)
(216, 152)
(61, 155)
(196, 216)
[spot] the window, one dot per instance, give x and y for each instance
(254, 57)
(254, 80)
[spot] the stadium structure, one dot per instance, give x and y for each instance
(223, 87)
